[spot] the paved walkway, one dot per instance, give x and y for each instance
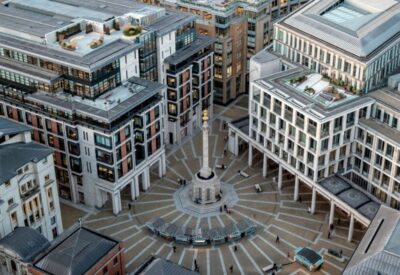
(274, 212)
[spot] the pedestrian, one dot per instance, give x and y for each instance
(288, 254)
(231, 268)
(195, 262)
(341, 253)
(300, 199)
(129, 206)
(329, 234)
(220, 209)
(338, 221)
(174, 248)
(224, 125)
(277, 239)
(224, 152)
(235, 248)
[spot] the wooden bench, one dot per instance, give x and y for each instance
(258, 188)
(243, 174)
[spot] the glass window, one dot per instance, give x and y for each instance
(102, 141)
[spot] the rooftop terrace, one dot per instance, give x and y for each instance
(315, 94)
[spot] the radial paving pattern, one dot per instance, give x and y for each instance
(274, 212)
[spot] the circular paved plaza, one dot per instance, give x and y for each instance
(273, 211)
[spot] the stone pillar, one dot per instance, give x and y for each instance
(236, 146)
(136, 183)
(250, 155)
(265, 166)
(133, 190)
(205, 171)
(160, 167)
(296, 188)
(146, 178)
(116, 202)
(164, 164)
(313, 200)
(351, 228)
(332, 213)
(99, 198)
(280, 177)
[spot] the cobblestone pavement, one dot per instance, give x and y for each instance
(274, 212)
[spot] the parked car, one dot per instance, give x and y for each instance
(309, 258)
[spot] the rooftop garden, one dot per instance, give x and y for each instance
(130, 30)
(96, 43)
(323, 88)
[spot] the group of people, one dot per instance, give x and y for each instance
(181, 181)
(226, 209)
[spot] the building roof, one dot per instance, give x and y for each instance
(379, 250)
(9, 127)
(107, 107)
(184, 53)
(26, 242)
(242, 124)
(15, 155)
(160, 266)
(75, 252)
(318, 105)
(171, 21)
(381, 129)
(354, 197)
(357, 27)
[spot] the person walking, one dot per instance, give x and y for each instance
(231, 268)
(277, 239)
(174, 248)
(235, 248)
(329, 234)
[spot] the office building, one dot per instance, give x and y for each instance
(343, 146)
(353, 42)
(28, 187)
(241, 29)
(84, 76)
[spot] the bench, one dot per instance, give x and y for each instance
(270, 267)
(220, 166)
(258, 188)
(243, 174)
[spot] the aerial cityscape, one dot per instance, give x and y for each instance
(206, 137)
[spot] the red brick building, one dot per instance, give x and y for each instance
(81, 251)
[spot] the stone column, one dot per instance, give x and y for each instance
(313, 200)
(332, 213)
(164, 165)
(205, 171)
(133, 189)
(296, 188)
(280, 177)
(236, 145)
(146, 178)
(351, 228)
(116, 202)
(136, 183)
(265, 166)
(160, 167)
(99, 198)
(250, 154)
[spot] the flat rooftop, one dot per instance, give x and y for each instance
(379, 250)
(357, 27)
(221, 6)
(10, 127)
(107, 107)
(312, 93)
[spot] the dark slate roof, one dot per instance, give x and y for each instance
(15, 155)
(9, 127)
(353, 196)
(76, 253)
(242, 124)
(26, 242)
(379, 250)
(159, 266)
(184, 53)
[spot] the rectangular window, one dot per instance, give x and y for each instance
(102, 141)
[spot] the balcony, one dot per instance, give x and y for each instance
(30, 193)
